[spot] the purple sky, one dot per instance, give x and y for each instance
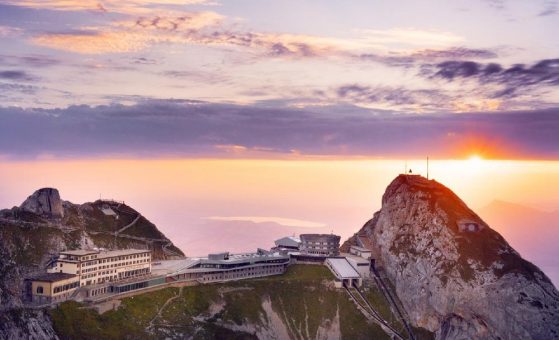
(253, 78)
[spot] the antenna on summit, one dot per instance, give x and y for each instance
(427, 167)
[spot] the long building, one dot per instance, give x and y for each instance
(226, 267)
(95, 266)
(95, 271)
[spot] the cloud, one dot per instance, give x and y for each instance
(129, 35)
(16, 75)
(212, 29)
(7, 31)
(430, 55)
(8, 89)
(101, 6)
(550, 8)
(512, 79)
(93, 42)
(411, 36)
(393, 96)
(163, 128)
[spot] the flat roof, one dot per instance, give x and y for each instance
(342, 268)
(318, 235)
(245, 257)
(121, 252)
(79, 252)
(52, 277)
(172, 266)
(169, 267)
(105, 253)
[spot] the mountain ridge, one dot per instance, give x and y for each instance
(454, 274)
(44, 224)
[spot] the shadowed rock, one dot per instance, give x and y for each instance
(45, 202)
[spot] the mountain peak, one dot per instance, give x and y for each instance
(45, 202)
(453, 273)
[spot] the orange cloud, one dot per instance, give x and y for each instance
(96, 43)
(121, 6)
(476, 105)
(411, 36)
(129, 36)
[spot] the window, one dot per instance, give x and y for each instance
(40, 290)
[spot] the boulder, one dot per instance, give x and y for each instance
(45, 202)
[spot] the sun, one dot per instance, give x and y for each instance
(475, 162)
(475, 158)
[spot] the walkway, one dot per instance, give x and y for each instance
(160, 311)
(388, 296)
(370, 313)
(128, 225)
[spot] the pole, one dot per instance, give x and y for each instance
(427, 167)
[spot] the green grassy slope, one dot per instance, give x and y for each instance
(302, 298)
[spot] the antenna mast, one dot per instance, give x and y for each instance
(427, 167)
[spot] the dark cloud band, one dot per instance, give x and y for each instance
(158, 128)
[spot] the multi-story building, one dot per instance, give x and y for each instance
(226, 267)
(95, 266)
(320, 244)
(98, 271)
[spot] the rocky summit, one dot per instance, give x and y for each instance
(44, 202)
(454, 274)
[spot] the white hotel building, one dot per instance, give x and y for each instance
(95, 266)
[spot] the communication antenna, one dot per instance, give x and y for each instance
(406, 167)
(427, 167)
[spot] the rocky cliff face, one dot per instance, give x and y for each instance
(30, 235)
(453, 273)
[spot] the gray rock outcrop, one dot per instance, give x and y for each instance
(44, 202)
(455, 275)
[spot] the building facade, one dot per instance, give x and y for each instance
(96, 267)
(227, 267)
(320, 244)
(50, 288)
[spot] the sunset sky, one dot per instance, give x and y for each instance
(259, 78)
(297, 112)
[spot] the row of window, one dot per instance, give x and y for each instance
(98, 291)
(322, 243)
(66, 287)
(124, 264)
(118, 258)
(239, 273)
